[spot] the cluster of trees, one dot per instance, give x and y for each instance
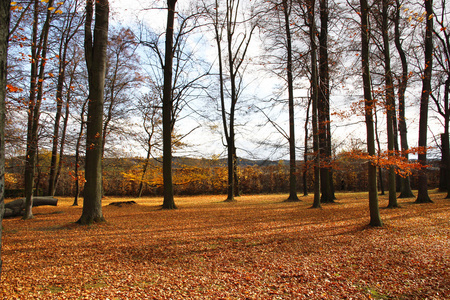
(133, 86)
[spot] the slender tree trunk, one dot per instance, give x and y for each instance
(314, 94)
(444, 162)
(95, 51)
(144, 170)
(390, 102)
(59, 105)
(377, 139)
(77, 155)
(447, 133)
(375, 219)
(422, 196)
(292, 160)
(305, 154)
(4, 23)
(169, 202)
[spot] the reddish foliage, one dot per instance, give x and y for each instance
(256, 248)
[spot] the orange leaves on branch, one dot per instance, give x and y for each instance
(13, 89)
(387, 159)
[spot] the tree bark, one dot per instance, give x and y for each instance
(375, 219)
(390, 102)
(95, 52)
(4, 33)
(169, 202)
(405, 185)
(292, 160)
(305, 154)
(422, 196)
(16, 208)
(324, 107)
(314, 95)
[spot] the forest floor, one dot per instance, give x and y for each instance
(256, 248)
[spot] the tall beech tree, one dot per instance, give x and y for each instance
(315, 97)
(422, 193)
(326, 175)
(375, 219)
(4, 37)
(168, 202)
(237, 42)
(390, 99)
(38, 61)
(405, 185)
(95, 52)
(287, 8)
(441, 100)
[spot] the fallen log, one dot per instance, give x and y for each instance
(16, 208)
(120, 203)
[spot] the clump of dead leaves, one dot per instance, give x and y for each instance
(256, 248)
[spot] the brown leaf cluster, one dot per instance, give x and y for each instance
(256, 248)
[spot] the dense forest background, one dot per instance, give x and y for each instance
(122, 176)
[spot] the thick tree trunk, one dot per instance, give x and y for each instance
(324, 107)
(422, 196)
(292, 160)
(4, 24)
(169, 202)
(95, 51)
(375, 219)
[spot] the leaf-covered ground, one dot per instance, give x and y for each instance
(256, 248)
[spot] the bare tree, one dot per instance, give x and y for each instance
(375, 219)
(38, 62)
(69, 28)
(405, 186)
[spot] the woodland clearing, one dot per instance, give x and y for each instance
(256, 248)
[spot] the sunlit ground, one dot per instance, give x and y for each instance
(256, 248)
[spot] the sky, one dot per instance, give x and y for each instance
(207, 143)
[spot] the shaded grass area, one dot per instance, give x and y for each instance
(256, 248)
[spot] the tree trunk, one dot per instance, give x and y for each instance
(375, 219)
(390, 103)
(405, 186)
(77, 155)
(4, 24)
(314, 94)
(169, 202)
(95, 51)
(422, 196)
(324, 107)
(292, 160)
(305, 154)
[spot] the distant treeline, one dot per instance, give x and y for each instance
(123, 176)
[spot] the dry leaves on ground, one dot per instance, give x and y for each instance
(256, 248)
